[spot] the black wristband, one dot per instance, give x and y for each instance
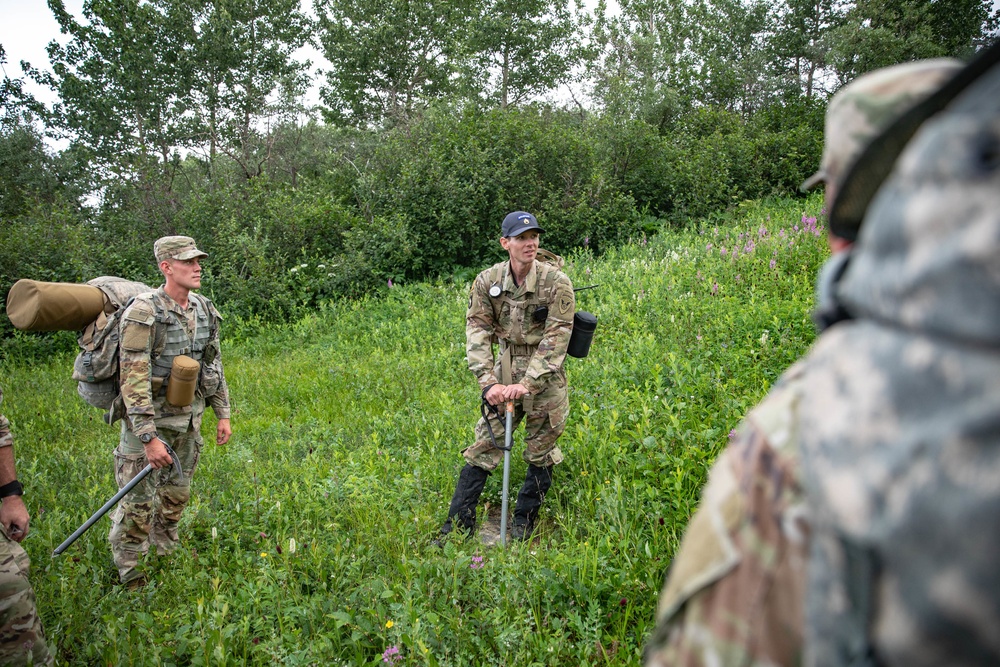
(11, 489)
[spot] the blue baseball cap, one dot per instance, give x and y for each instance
(517, 223)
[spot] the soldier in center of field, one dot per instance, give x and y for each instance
(526, 306)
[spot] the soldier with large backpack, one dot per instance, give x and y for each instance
(526, 306)
(855, 519)
(171, 367)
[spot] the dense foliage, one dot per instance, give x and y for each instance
(419, 202)
(189, 117)
(308, 540)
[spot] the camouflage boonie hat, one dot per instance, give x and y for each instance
(176, 247)
(865, 107)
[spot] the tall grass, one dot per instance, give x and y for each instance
(308, 538)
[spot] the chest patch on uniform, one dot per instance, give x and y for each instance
(495, 291)
(564, 305)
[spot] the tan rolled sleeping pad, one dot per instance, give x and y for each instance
(183, 381)
(33, 305)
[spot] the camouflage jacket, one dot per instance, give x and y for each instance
(154, 330)
(510, 319)
(734, 592)
(6, 439)
(900, 450)
(856, 518)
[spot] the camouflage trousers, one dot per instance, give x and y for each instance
(543, 426)
(149, 514)
(21, 639)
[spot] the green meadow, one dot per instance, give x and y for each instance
(308, 538)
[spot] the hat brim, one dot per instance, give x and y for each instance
(518, 232)
(814, 180)
(191, 254)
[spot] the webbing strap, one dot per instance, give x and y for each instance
(507, 377)
(505, 370)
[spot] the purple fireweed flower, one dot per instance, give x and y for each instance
(795, 228)
(781, 233)
(586, 241)
(773, 264)
(749, 247)
(390, 282)
(762, 232)
(732, 433)
(391, 655)
(715, 288)
(708, 248)
(477, 562)
(723, 252)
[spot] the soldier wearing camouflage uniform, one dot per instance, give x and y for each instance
(21, 637)
(157, 327)
(736, 593)
(527, 306)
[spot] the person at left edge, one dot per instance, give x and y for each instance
(527, 307)
(157, 327)
(21, 639)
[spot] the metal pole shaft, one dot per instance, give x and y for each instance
(507, 442)
(101, 512)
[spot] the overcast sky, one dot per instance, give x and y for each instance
(27, 27)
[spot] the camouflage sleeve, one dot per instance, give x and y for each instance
(136, 342)
(735, 591)
(220, 399)
(6, 439)
(551, 352)
(479, 332)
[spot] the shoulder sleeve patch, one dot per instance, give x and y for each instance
(141, 312)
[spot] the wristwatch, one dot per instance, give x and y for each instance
(146, 438)
(11, 489)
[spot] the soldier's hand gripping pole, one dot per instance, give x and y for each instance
(508, 442)
(111, 503)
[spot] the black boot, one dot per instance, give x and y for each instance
(529, 499)
(463, 504)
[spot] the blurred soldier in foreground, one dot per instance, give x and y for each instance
(855, 519)
(528, 306)
(21, 637)
(157, 329)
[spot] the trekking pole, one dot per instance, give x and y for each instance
(508, 442)
(111, 503)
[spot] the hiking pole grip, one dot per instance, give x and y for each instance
(111, 503)
(508, 441)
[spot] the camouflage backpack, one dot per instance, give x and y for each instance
(96, 366)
